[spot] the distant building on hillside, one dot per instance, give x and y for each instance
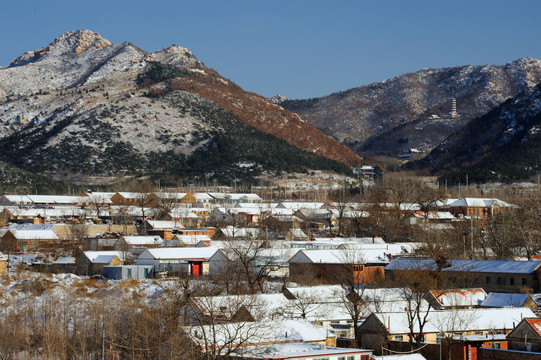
(453, 113)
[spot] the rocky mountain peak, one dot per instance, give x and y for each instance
(71, 42)
(278, 99)
(177, 56)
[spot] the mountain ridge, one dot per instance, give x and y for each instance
(83, 92)
(502, 145)
(365, 117)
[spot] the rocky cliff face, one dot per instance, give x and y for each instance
(385, 115)
(85, 105)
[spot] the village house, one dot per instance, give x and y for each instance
(379, 327)
(235, 308)
(492, 275)
(137, 244)
(430, 217)
(46, 214)
(526, 336)
(92, 262)
(479, 208)
(24, 240)
(186, 217)
(456, 298)
(304, 351)
(268, 333)
(161, 228)
(282, 223)
(202, 200)
(208, 231)
(42, 200)
(224, 199)
(502, 300)
(64, 264)
(330, 266)
(125, 272)
(236, 232)
(191, 261)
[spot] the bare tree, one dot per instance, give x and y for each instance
(414, 284)
(143, 200)
(219, 339)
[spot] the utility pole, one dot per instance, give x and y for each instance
(471, 236)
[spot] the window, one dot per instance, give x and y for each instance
(399, 337)
(495, 345)
(364, 357)
(351, 357)
(488, 280)
(524, 281)
(512, 281)
(501, 280)
(342, 358)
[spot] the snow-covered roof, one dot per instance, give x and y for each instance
(163, 224)
(169, 195)
(459, 297)
(240, 232)
(457, 320)
(64, 260)
(142, 240)
(323, 293)
(497, 300)
(282, 212)
(47, 199)
(342, 256)
(361, 240)
(416, 356)
(261, 305)
(57, 211)
(200, 196)
(297, 233)
(176, 253)
(191, 239)
(46, 234)
(302, 350)
(434, 215)
(183, 213)
(296, 205)
(132, 195)
(278, 331)
(93, 255)
(103, 259)
(493, 266)
(235, 196)
(479, 202)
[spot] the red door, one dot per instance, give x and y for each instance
(196, 268)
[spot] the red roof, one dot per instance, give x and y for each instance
(535, 324)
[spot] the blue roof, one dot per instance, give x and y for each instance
(495, 266)
(488, 266)
(497, 300)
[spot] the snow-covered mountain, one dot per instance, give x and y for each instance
(85, 105)
(386, 116)
(504, 144)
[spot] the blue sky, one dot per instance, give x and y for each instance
(299, 49)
